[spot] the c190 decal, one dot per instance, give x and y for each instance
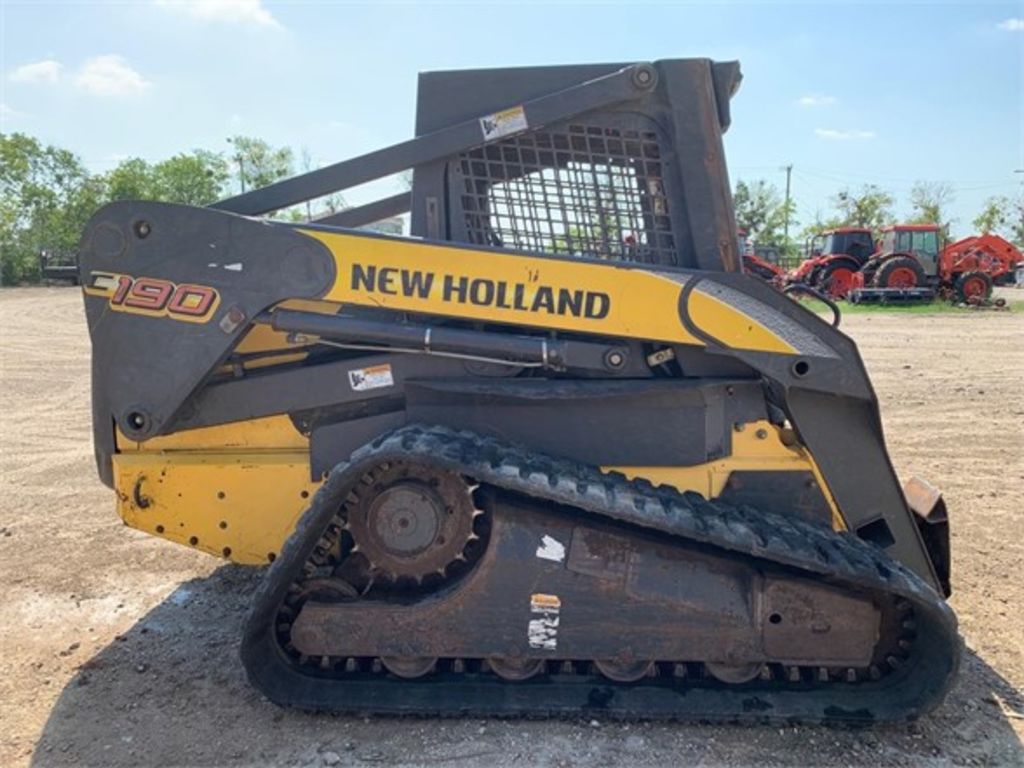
(155, 297)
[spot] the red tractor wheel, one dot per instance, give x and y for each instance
(900, 272)
(837, 279)
(974, 287)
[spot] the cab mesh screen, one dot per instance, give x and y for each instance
(589, 191)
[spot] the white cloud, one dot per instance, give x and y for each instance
(9, 113)
(109, 75)
(45, 71)
(1012, 25)
(816, 100)
(835, 135)
(231, 11)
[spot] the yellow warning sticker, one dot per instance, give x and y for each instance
(503, 123)
(541, 602)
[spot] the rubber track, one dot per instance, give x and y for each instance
(917, 686)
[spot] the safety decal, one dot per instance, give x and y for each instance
(543, 629)
(503, 123)
(551, 549)
(374, 377)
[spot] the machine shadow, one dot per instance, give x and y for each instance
(172, 691)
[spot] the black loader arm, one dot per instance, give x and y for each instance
(826, 393)
(169, 290)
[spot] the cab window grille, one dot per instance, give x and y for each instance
(591, 191)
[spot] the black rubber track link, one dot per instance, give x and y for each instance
(913, 685)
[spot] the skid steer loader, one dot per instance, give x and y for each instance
(553, 454)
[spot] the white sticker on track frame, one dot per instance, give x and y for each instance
(542, 631)
(374, 377)
(504, 123)
(551, 549)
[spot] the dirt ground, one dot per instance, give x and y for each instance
(120, 649)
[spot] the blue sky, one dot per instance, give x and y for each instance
(849, 93)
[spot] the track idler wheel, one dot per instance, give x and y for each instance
(734, 674)
(409, 667)
(624, 671)
(516, 669)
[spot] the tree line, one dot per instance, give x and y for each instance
(47, 194)
(761, 212)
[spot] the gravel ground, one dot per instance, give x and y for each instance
(120, 649)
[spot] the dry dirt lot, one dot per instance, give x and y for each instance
(119, 649)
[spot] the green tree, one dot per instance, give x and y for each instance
(46, 197)
(993, 216)
(195, 178)
(1004, 216)
(821, 225)
(1017, 220)
(258, 163)
(871, 207)
(761, 212)
(929, 201)
(132, 179)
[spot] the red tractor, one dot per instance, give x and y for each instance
(912, 263)
(909, 263)
(980, 262)
(754, 264)
(835, 258)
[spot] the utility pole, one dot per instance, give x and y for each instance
(789, 173)
(1020, 206)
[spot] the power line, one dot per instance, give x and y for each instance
(842, 176)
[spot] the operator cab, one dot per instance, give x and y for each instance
(851, 242)
(919, 240)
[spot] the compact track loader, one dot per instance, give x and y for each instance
(554, 454)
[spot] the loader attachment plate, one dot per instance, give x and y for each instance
(929, 508)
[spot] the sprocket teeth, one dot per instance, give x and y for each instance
(458, 514)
